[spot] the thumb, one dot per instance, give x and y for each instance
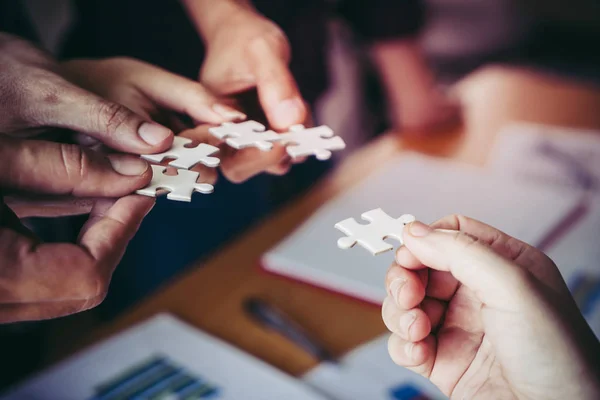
(113, 124)
(63, 169)
(277, 90)
(496, 281)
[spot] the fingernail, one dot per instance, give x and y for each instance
(288, 113)
(395, 288)
(229, 113)
(406, 321)
(419, 229)
(128, 165)
(408, 349)
(153, 134)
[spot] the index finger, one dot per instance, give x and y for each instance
(503, 244)
(277, 89)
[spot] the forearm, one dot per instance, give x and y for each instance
(207, 15)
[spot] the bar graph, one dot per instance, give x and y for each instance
(157, 378)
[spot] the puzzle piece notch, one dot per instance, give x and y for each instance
(372, 236)
(180, 186)
(318, 141)
(245, 134)
(186, 157)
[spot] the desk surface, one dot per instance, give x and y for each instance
(211, 297)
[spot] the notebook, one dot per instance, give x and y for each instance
(428, 188)
(162, 358)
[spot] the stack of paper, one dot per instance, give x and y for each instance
(427, 188)
(165, 359)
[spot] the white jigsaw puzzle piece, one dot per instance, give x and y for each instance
(372, 236)
(318, 141)
(186, 157)
(180, 186)
(245, 134)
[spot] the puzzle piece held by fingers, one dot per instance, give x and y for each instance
(180, 186)
(372, 236)
(186, 157)
(245, 134)
(318, 141)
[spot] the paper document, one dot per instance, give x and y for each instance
(368, 372)
(566, 159)
(165, 359)
(427, 188)
(563, 157)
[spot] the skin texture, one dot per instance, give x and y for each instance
(39, 177)
(40, 281)
(36, 94)
(245, 51)
(158, 94)
(483, 315)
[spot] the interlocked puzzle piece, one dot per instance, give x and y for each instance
(318, 141)
(180, 186)
(372, 236)
(186, 157)
(245, 134)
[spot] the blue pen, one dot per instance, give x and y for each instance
(272, 318)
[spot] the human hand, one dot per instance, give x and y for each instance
(238, 165)
(246, 51)
(150, 91)
(155, 93)
(39, 178)
(483, 315)
(35, 95)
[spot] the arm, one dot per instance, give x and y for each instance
(207, 15)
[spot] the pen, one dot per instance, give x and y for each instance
(272, 318)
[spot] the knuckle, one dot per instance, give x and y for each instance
(76, 162)
(465, 240)
(111, 117)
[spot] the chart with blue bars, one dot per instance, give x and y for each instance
(406, 392)
(156, 378)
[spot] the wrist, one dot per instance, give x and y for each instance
(209, 16)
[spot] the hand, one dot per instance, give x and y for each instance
(483, 315)
(35, 95)
(38, 280)
(245, 51)
(150, 91)
(416, 103)
(239, 165)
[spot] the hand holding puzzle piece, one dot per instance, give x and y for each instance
(299, 142)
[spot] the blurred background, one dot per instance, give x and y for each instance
(347, 90)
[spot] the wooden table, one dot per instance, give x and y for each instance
(211, 296)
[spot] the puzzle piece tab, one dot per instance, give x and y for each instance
(318, 141)
(372, 236)
(180, 186)
(245, 134)
(186, 157)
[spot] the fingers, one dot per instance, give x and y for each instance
(49, 206)
(419, 357)
(277, 89)
(110, 227)
(412, 324)
(181, 95)
(405, 287)
(10, 313)
(113, 124)
(495, 280)
(240, 165)
(62, 169)
(31, 272)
